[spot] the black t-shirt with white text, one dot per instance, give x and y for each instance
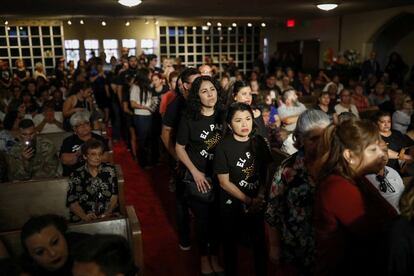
(72, 144)
(246, 168)
(396, 141)
(200, 138)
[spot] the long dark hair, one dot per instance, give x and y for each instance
(255, 139)
(143, 82)
(78, 86)
(237, 86)
(194, 106)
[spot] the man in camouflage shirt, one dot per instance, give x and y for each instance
(32, 157)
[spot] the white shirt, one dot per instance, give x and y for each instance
(49, 128)
(135, 91)
(340, 86)
(400, 121)
(352, 108)
(392, 195)
(288, 146)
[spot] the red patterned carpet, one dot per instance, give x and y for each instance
(147, 191)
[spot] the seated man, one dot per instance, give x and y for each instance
(104, 255)
(290, 110)
(93, 187)
(70, 154)
(49, 121)
(32, 156)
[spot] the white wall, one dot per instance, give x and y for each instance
(406, 48)
(357, 31)
(115, 29)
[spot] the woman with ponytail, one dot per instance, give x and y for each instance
(350, 214)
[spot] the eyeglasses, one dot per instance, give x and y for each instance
(82, 124)
(384, 185)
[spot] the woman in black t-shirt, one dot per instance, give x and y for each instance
(242, 93)
(241, 164)
(396, 141)
(198, 134)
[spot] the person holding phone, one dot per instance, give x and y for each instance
(49, 121)
(32, 156)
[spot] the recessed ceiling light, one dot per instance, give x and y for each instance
(81, 22)
(249, 24)
(327, 6)
(127, 23)
(103, 23)
(130, 3)
(263, 24)
(234, 25)
(209, 23)
(69, 22)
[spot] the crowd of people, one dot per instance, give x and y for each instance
(337, 204)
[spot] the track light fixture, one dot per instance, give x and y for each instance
(130, 3)
(327, 6)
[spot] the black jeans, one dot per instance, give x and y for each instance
(143, 125)
(235, 222)
(182, 213)
(207, 226)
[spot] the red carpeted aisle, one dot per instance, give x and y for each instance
(147, 191)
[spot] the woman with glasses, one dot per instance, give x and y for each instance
(350, 215)
(401, 118)
(93, 187)
(395, 140)
(388, 181)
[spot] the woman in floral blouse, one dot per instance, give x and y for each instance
(291, 197)
(93, 188)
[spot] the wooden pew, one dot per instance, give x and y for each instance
(21, 200)
(56, 138)
(127, 226)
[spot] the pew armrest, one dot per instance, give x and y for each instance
(121, 190)
(136, 239)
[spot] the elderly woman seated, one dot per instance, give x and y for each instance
(289, 213)
(93, 187)
(70, 154)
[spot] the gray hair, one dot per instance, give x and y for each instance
(79, 117)
(287, 93)
(308, 121)
(38, 65)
